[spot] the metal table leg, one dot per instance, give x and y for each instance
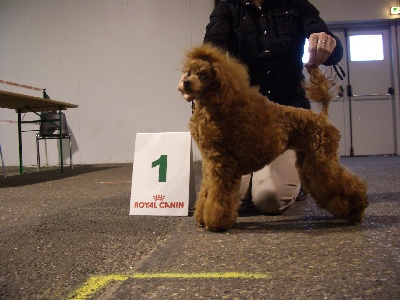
(2, 162)
(61, 146)
(21, 167)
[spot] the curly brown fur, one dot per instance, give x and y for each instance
(239, 131)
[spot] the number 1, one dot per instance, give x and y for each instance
(162, 171)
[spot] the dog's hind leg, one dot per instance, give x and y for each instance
(333, 187)
(349, 199)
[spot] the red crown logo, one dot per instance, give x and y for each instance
(158, 197)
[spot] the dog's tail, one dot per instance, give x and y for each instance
(319, 87)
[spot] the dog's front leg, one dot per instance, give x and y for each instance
(218, 201)
(202, 196)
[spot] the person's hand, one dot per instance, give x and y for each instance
(320, 48)
(185, 96)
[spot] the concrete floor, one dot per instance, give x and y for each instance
(69, 236)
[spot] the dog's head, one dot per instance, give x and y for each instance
(209, 75)
(199, 79)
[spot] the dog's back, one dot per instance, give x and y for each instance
(236, 120)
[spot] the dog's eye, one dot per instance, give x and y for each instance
(204, 77)
(188, 74)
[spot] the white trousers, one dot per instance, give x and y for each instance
(275, 187)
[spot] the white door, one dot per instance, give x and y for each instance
(371, 105)
(364, 113)
(339, 107)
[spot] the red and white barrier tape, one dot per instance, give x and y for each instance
(21, 85)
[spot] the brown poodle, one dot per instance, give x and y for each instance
(239, 131)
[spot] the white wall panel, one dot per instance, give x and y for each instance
(355, 10)
(118, 60)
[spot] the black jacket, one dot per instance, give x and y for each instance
(270, 42)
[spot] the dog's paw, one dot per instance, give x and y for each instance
(357, 219)
(210, 228)
(216, 229)
(357, 215)
(200, 225)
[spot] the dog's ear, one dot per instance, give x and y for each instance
(231, 74)
(220, 74)
(216, 84)
(223, 91)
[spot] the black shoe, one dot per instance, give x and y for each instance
(302, 195)
(248, 209)
(246, 203)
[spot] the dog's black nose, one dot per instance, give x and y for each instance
(186, 83)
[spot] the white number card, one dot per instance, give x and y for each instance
(162, 177)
